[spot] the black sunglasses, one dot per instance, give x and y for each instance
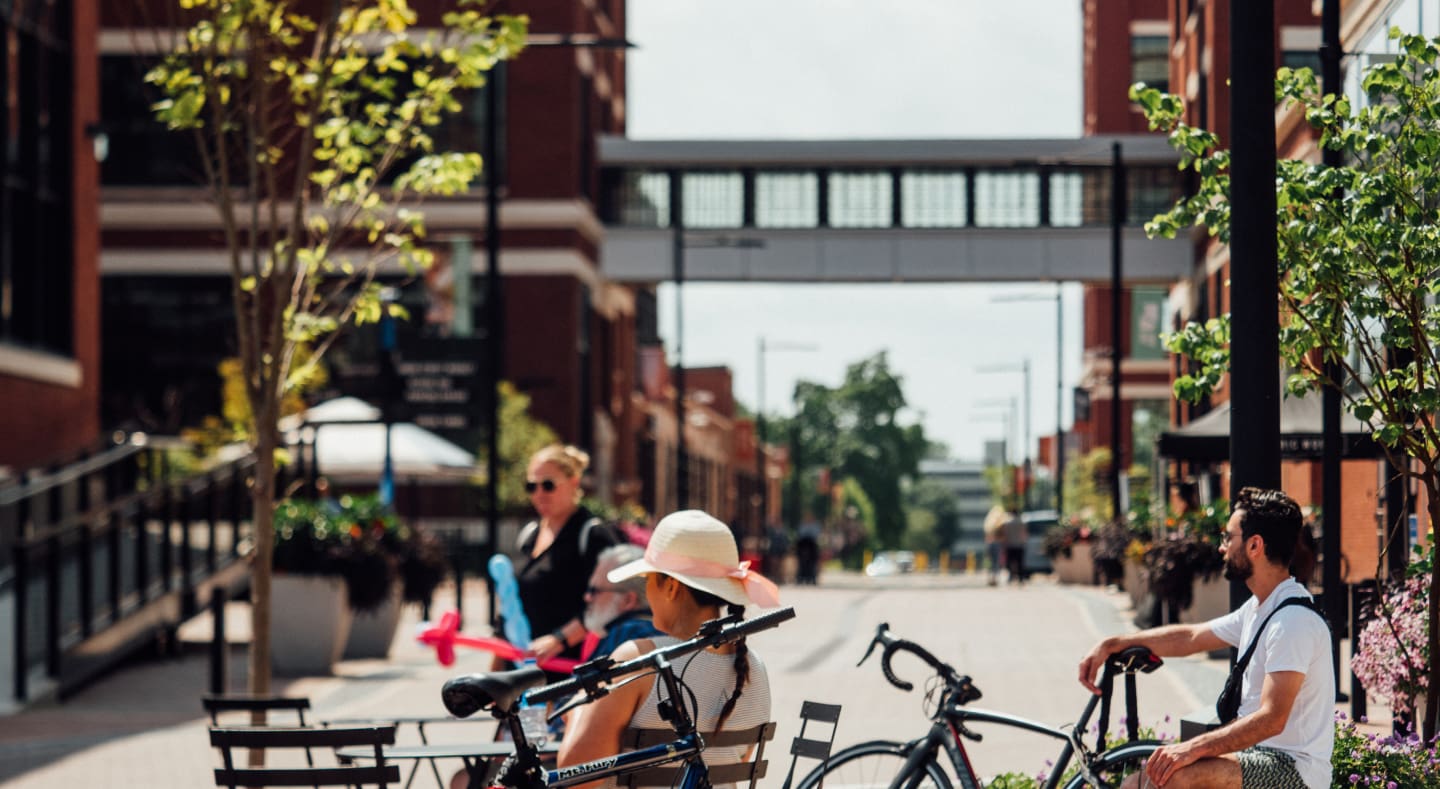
(547, 485)
(595, 591)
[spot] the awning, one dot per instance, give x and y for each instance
(1207, 439)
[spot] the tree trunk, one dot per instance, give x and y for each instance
(262, 497)
(1432, 617)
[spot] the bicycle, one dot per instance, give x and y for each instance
(915, 764)
(501, 693)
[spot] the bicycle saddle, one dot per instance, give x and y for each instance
(1135, 659)
(465, 695)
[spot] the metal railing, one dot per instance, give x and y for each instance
(109, 553)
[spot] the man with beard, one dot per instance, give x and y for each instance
(1282, 732)
(618, 612)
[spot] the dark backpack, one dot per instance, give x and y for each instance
(1227, 707)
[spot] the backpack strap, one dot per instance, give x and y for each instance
(526, 540)
(585, 530)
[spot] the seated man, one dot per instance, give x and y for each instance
(616, 612)
(1285, 731)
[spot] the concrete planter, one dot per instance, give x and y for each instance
(309, 623)
(372, 632)
(1211, 599)
(1136, 582)
(1078, 567)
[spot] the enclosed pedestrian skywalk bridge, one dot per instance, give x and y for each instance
(884, 210)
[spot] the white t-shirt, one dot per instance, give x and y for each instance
(1295, 640)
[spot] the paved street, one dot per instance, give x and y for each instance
(142, 727)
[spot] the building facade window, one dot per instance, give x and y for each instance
(1150, 60)
(36, 209)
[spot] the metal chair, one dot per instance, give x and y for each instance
(744, 772)
(379, 774)
(808, 747)
(218, 705)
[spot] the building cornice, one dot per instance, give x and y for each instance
(39, 366)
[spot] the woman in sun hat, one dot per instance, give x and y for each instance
(693, 571)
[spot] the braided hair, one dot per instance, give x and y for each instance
(742, 652)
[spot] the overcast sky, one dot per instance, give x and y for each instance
(902, 69)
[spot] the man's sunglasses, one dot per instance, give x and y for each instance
(547, 485)
(595, 591)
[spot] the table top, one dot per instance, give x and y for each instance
(398, 719)
(480, 750)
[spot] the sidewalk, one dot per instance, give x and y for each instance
(142, 726)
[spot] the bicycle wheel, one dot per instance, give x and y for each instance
(1113, 765)
(870, 765)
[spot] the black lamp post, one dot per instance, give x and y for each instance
(494, 285)
(761, 348)
(679, 243)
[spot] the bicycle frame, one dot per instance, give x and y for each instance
(688, 748)
(945, 732)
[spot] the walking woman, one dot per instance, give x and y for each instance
(560, 549)
(693, 574)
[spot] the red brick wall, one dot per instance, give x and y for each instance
(39, 421)
(1107, 63)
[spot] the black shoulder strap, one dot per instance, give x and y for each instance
(585, 530)
(1304, 602)
(526, 541)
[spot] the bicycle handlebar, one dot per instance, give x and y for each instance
(961, 685)
(590, 676)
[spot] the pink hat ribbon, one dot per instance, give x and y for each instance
(761, 590)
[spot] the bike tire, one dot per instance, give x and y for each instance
(1113, 765)
(870, 765)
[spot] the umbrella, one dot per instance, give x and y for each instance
(346, 445)
(1207, 439)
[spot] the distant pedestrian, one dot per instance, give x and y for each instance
(777, 549)
(807, 552)
(995, 541)
(1015, 536)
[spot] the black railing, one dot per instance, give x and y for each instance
(104, 555)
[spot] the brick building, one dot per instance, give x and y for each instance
(49, 238)
(1196, 41)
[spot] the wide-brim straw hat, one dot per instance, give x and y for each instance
(698, 550)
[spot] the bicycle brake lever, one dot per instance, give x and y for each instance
(870, 649)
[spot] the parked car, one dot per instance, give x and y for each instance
(1037, 522)
(890, 563)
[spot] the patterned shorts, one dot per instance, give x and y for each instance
(1268, 768)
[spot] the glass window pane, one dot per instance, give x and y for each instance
(1007, 199)
(787, 200)
(860, 200)
(932, 199)
(1067, 199)
(1150, 61)
(642, 199)
(714, 199)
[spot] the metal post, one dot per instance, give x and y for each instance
(1117, 264)
(760, 477)
(22, 607)
(390, 376)
(1330, 484)
(1059, 398)
(677, 236)
(494, 341)
(219, 680)
(1255, 385)
(1025, 501)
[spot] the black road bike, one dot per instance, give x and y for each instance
(916, 764)
(501, 692)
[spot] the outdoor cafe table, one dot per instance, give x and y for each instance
(474, 756)
(418, 721)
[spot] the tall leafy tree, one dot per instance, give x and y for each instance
(854, 431)
(1359, 258)
(314, 135)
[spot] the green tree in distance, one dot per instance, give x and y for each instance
(1359, 260)
(314, 137)
(854, 430)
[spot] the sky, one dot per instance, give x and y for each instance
(860, 69)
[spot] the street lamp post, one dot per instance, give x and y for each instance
(1024, 368)
(1059, 386)
(679, 243)
(494, 286)
(761, 348)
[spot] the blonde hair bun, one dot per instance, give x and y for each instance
(570, 459)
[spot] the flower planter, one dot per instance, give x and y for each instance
(1078, 567)
(309, 623)
(1136, 584)
(1212, 599)
(372, 632)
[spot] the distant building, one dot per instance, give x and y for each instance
(972, 498)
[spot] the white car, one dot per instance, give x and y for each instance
(888, 563)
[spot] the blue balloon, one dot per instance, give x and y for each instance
(507, 598)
